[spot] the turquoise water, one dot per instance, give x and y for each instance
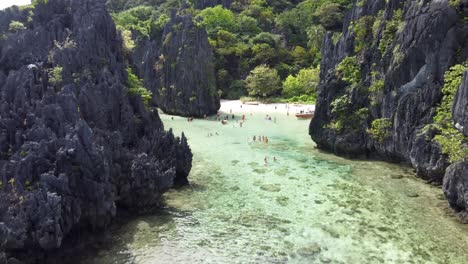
(307, 207)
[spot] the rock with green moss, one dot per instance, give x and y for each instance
(74, 145)
(395, 68)
(180, 70)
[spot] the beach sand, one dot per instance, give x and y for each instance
(238, 107)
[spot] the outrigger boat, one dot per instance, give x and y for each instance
(308, 115)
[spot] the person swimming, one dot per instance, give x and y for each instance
(265, 160)
(274, 159)
(254, 138)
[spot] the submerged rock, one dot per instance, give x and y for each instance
(270, 188)
(74, 146)
(311, 250)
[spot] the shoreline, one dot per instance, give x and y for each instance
(236, 106)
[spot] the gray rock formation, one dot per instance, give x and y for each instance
(460, 106)
(74, 146)
(456, 176)
(431, 37)
(180, 70)
(456, 188)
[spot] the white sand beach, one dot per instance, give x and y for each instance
(238, 107)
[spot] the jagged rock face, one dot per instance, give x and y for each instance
(432, 38)
(460, 106)
(456, 176)
(74, 148)
(180, 71)
(456, 188)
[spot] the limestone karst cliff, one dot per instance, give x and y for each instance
(179, 69)
(382, 82)
(74, 144)
(182, 76)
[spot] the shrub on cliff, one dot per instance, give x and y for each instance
(135, 87)
(349, 70)
(380, 129)
(450, 139)
(330, 16)
(16, 26)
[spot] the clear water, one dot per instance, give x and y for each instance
(307, 207)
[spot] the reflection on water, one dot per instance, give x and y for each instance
(305, 207)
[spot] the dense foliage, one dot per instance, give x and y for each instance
(263, 82)
(450, 139)
(135, 87)
(304, 83)
(380, 129)
(349, 69)
(283, 35)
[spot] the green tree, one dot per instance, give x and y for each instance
(330, 15)
(263, 53)
(248, 25)
(55, 75)
(217, 18)
(450, 139)
(300, 56)
(16, 26)
(349, 69)
(263, 13)
(305, 83)
(127, 41)
(135, 87)
(263, 81)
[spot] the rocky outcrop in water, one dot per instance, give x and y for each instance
(74, 145)
(180, 70)
(398, 52)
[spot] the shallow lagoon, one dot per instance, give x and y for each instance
(308, 207)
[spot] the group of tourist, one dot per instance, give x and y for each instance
(265, 160)
(263, 139)
(211, 134)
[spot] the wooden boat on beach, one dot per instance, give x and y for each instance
(308, 115)
(251, 103)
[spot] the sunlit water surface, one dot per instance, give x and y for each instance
(307, 207)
